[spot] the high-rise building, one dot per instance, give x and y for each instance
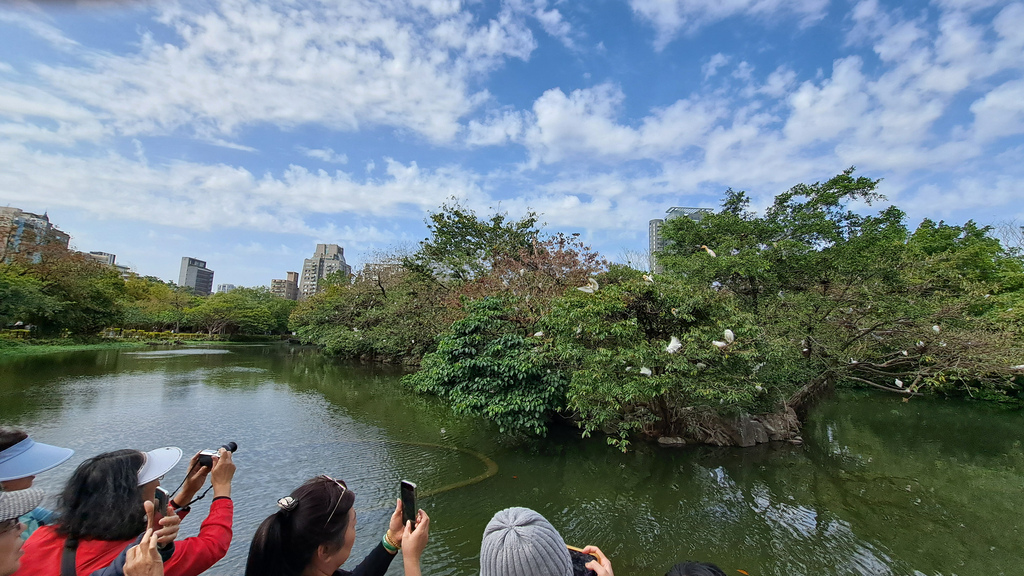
(25, 233)
(326, 259)
(225, 288)
(287, 288)
(196, 276)
(655, 241)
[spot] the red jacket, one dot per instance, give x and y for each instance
(192, 556)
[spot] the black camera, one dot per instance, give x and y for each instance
(206, 456)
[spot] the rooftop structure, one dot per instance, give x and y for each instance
(195, 275)
(327, 258)
(656, 242)
(287, 288)
(110, 260)
(24, 233)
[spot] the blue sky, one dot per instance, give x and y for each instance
(245, 132)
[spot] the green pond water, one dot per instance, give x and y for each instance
(880, 486)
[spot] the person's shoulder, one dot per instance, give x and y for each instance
(47, 533)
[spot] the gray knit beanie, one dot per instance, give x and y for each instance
(521, 542)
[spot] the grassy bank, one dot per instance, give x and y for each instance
(17, 348)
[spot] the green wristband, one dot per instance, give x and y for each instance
(387, 546)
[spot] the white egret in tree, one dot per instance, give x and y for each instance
(673, 346)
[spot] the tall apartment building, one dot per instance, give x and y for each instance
(24, 233)
(655, 241)
(287, 288)
(196, 276)
(326, 259)
(225, 288)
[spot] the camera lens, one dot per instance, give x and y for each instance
(230, 446)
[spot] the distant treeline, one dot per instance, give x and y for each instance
(60, 292)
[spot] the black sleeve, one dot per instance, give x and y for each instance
(376, 563)
(116, 567)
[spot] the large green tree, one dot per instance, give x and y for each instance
(463, 246)
(862, 299)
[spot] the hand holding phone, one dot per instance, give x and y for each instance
(160, 500)
(580, 559)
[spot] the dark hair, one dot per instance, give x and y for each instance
(102, 499)
(695, 569)
(9, 438)
(315, 515)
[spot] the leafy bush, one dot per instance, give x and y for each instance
(483, 366)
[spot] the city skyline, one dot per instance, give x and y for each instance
(244, 132)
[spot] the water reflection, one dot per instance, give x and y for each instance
(880, 487)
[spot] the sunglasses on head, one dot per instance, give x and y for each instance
(341, 496)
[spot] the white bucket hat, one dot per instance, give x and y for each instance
(157, 463)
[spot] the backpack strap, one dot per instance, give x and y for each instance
(67, 559)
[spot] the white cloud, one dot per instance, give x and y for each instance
(65, 123)
(826, 111)
(584, 124)
(897, 117)
(496, 129)
(1000, 112)
(964, 193)
(343, 65)
(552, 22)
(550, 19)
(325, 154)
(29, 17)
(711, 67)
(668, 17)
(203, 196)
(778, 83)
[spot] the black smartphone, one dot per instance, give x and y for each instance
(579, 562)
(160, 501)
(408, 502)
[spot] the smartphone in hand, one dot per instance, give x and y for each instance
(408, 492)
(160, 501)
(579, 561)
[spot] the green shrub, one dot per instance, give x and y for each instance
(482, 366)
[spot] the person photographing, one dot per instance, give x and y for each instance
(313, 531)
(102, 512)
